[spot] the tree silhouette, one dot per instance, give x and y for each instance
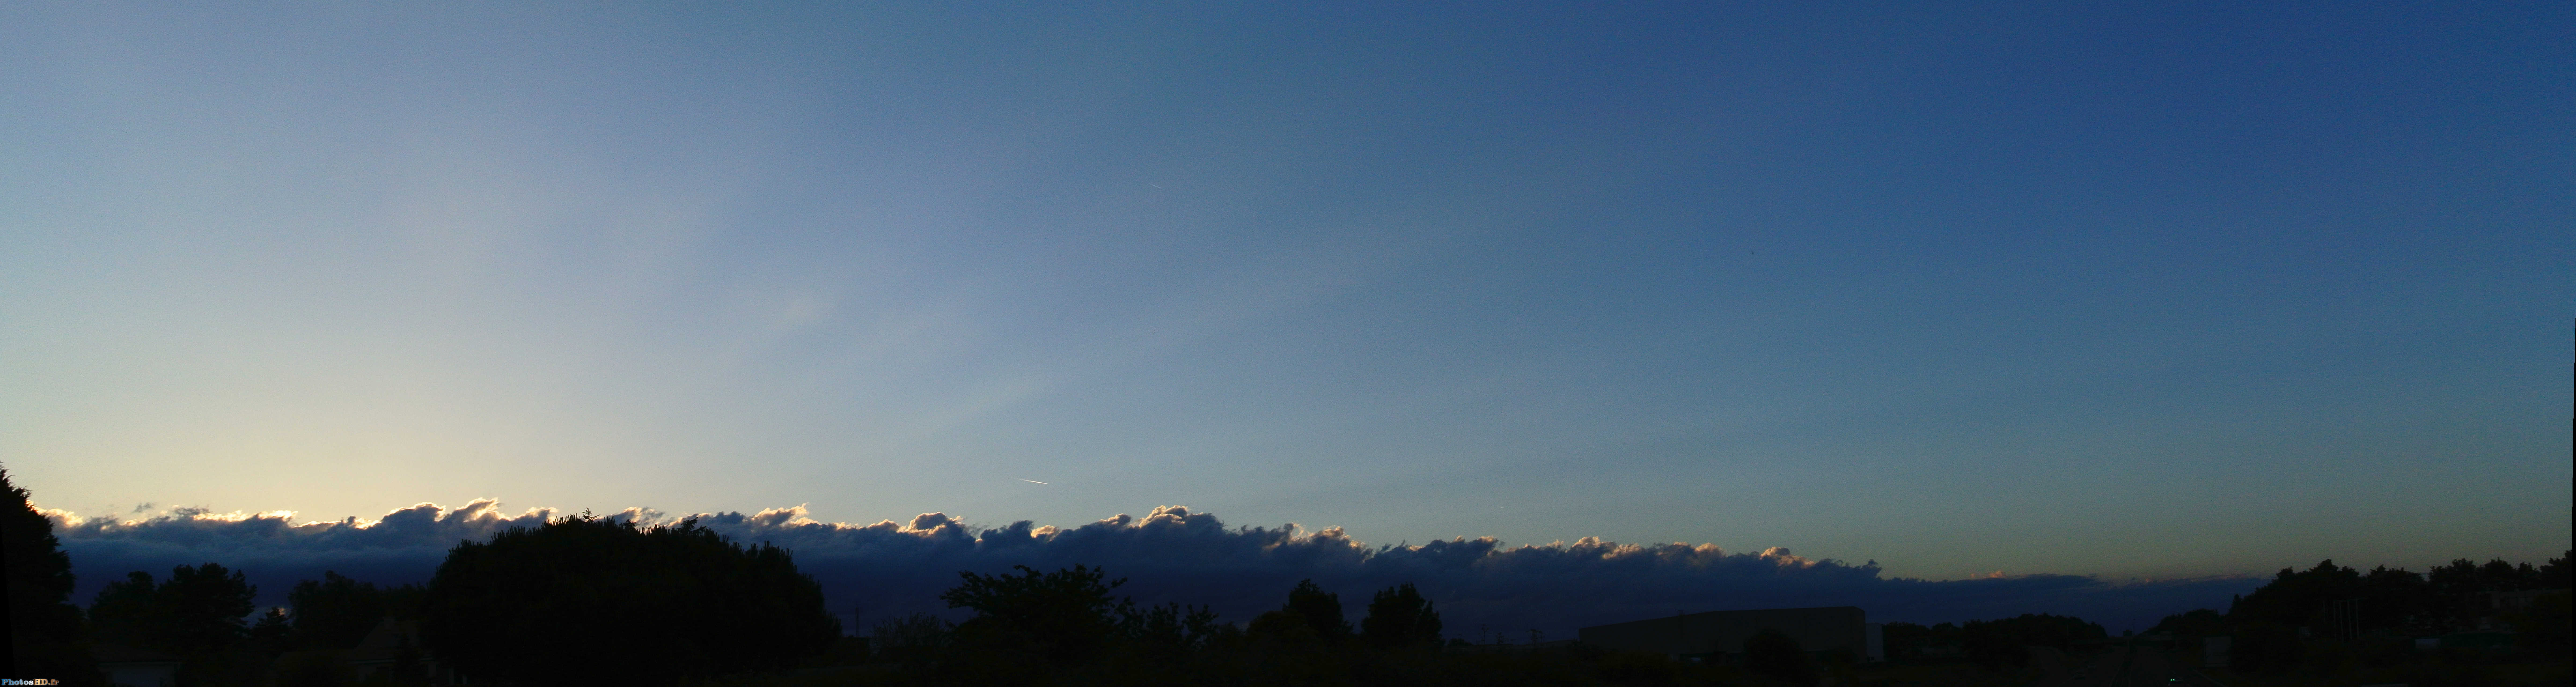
(1065, 617)
(1168, 628)
(2293, 597)
(1905, 641)
(273, 633)
(586, 600)
(2190, 627)
(2447, 597)
(2005, 642)
(123, 612)
(1321, 610)
(201, 614)
(200, 610)
(1775, 655)
(2264, 646)
(207, 607)
(43, 625)
(1399, 617)
(336, 612)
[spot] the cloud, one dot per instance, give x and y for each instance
(403, 546)
(876, 571)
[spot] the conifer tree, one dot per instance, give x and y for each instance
(43, 625)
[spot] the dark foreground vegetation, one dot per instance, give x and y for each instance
(2464, 623)
(586, 599)
(595, 601)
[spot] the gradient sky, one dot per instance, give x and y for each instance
(2131, 289)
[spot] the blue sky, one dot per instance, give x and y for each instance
(2140, 289)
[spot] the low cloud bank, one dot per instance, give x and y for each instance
(887, 569)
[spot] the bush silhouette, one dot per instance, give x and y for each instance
(586, 600)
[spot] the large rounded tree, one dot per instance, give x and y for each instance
(588, 600)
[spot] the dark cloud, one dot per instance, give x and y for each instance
(871, 572)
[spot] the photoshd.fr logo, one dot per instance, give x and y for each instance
(37, 681)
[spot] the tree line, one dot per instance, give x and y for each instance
(2328, 613)
(2331, 617)
(592, 600)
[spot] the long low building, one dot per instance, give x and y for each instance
(1720, 633)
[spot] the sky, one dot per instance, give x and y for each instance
(2140, 291)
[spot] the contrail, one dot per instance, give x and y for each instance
(1031, 481)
